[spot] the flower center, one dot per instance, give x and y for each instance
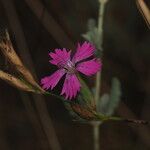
(70, 67)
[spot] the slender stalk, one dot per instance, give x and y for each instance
(101, 19)
(145, 11)
(97, 85)
(100, 30)
(96, 125)
(96, 132)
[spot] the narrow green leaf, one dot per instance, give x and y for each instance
(115, 95)
(103, 103)
(109, 102)
(93, 36)
(85, 93)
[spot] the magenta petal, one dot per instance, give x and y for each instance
(71, 86)
(51, 81)
(83, 51)
(59, 57)
(89, 67)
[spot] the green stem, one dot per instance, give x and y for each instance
(101, 20)
(108, 118)
(96, 132)
(96, 126)
(52, 94)
(98, 85)
(100, 30)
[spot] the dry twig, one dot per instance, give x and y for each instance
(9, 52)
(145, 11)
(15, 81)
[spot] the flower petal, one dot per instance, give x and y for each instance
(71, 86)
(59, 57)
(52, 80)
(89, 67)
(83, 51)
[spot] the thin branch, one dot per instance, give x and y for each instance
(96, 126)
(9, 52)
(145, 11)
(14, 81)
(143, 132)
(96, 134)
(100, 30)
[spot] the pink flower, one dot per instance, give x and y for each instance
(70, 67)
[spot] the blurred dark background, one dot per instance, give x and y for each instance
(37, 27)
